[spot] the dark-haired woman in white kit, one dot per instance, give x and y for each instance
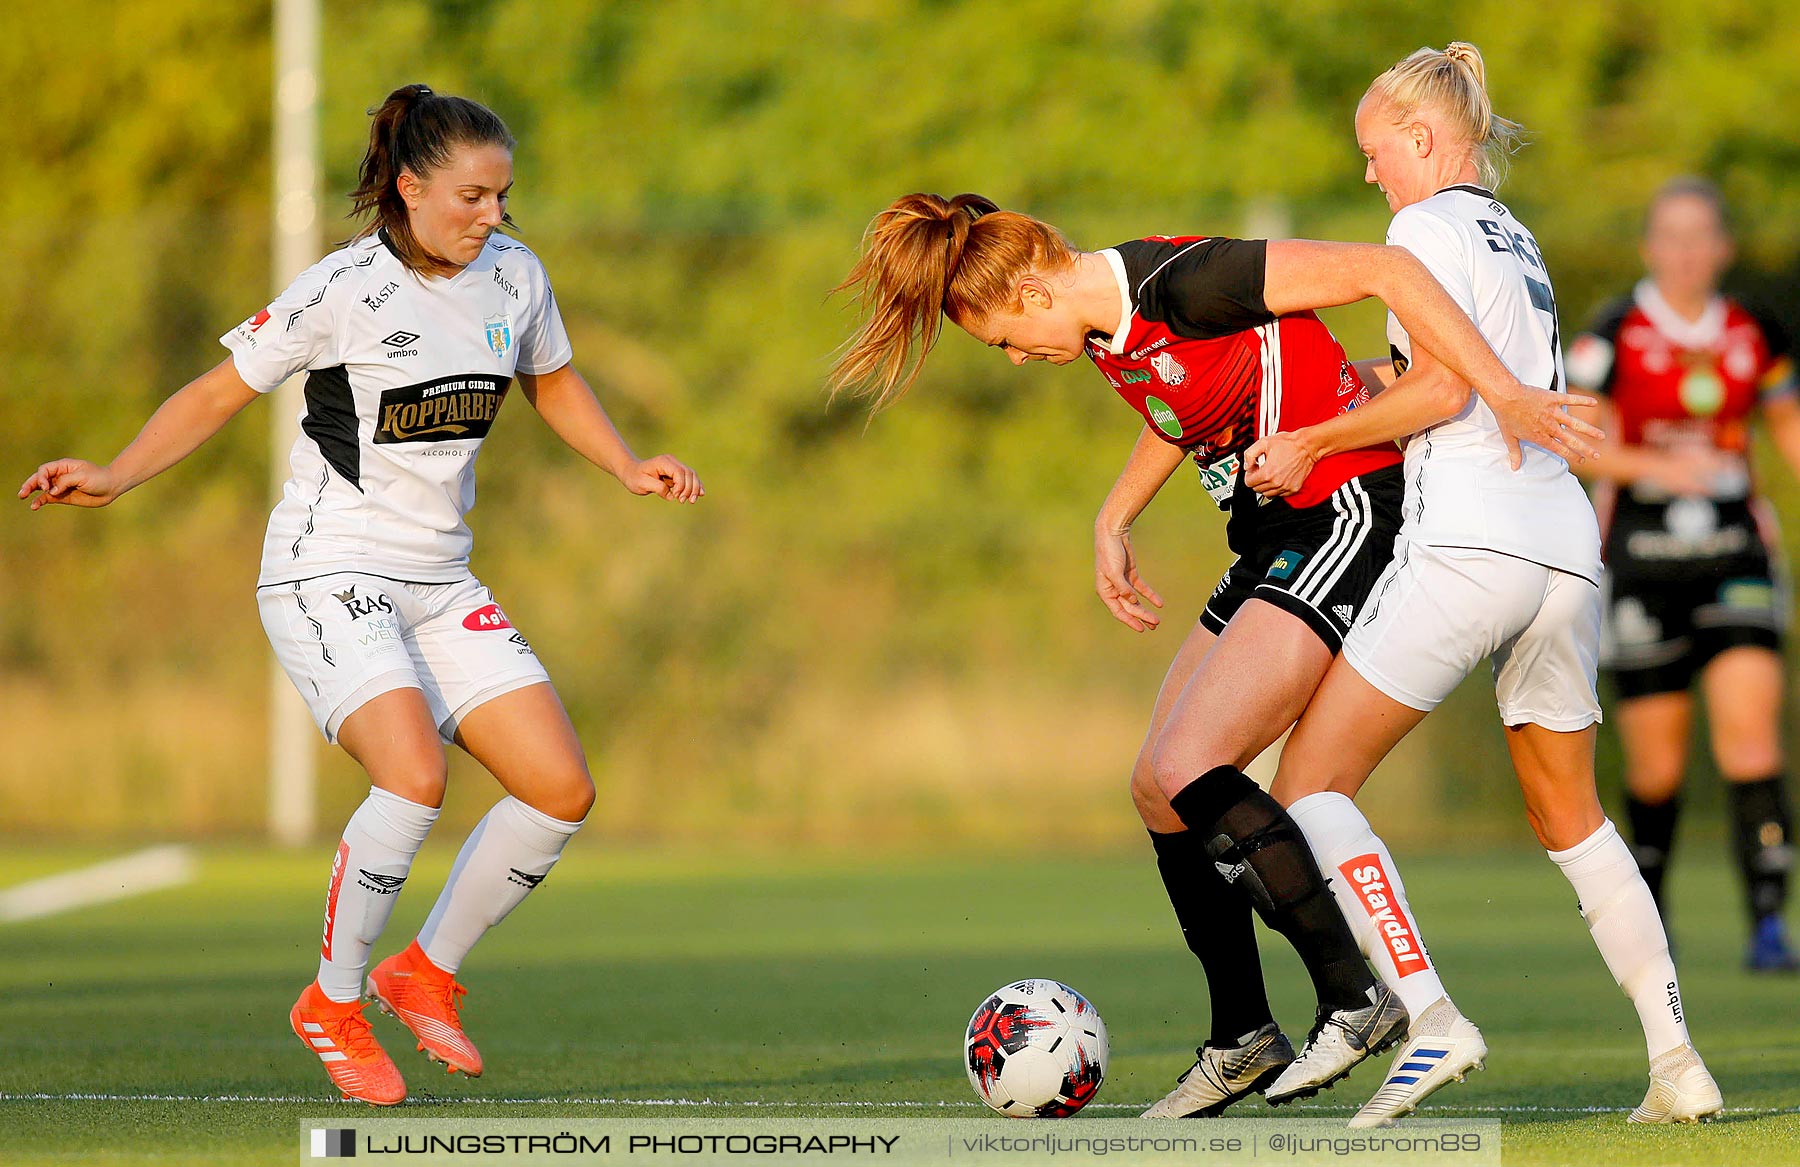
(410, 337)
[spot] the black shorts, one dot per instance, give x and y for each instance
(1670, 612)
(1317, 562)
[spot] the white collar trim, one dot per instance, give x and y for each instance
(1116, 344)
(1703, 333)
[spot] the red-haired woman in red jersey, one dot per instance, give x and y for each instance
(1214, 343)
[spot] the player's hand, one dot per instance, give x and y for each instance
(1277, 466)
(1542, 418)
(666, 477)
(1119, 585)
(71, 481)
(1689, 471)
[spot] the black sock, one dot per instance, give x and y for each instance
(1219, 929)
(1260, 851)
(1763, 841)
(1652, 837)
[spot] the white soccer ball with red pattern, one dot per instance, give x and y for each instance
(1036, 1049)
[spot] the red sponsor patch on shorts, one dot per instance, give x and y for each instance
(486, 619)
(331, 895)
(1392, 925)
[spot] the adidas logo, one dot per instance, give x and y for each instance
(385, 885)
(523, 879)
(1229, 871)
(1345, 613)
(322, 1045)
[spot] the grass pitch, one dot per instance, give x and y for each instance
(154, 1030)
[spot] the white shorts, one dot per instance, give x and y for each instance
(344, 639)
(1436, 612)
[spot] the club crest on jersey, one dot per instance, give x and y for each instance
(1172, 371)
(499, 333)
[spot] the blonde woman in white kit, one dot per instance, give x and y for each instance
(1499, 558)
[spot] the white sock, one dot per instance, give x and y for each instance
(1367, 884)
(1616, 903)
(372, 861)
(509, 853)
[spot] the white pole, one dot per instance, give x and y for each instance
(1269, 218)
(293, 744)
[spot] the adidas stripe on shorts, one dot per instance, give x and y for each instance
(1318, 563)
(346, 638)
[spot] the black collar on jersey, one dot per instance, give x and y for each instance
(381, 234)
(1471, 188)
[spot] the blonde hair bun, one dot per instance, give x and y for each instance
(1452, 81)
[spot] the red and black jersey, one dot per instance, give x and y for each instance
(1211, 370)
(1681, 383)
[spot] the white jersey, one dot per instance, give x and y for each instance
(1461, 490)
(405, 375)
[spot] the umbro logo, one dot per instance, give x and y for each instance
(523, 879)
(400, 342)
(385, 885)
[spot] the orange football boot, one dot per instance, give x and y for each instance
(424, 997)
(339, 1034)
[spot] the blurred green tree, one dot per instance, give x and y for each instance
(869, 631)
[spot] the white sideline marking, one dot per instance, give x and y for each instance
(115, 879)
(1448, 1113)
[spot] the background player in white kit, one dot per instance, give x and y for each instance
(410, 336)
(1492, 562)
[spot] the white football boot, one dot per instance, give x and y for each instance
(1340, 1040)
(1442, 1047)
(1681, 1090)
(1223, 1074)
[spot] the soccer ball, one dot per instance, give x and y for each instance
(1036, 1049)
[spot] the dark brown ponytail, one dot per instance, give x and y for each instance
(416, 129)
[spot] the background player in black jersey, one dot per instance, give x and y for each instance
(366, 592)
(1204, 322)
(1698, 585)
